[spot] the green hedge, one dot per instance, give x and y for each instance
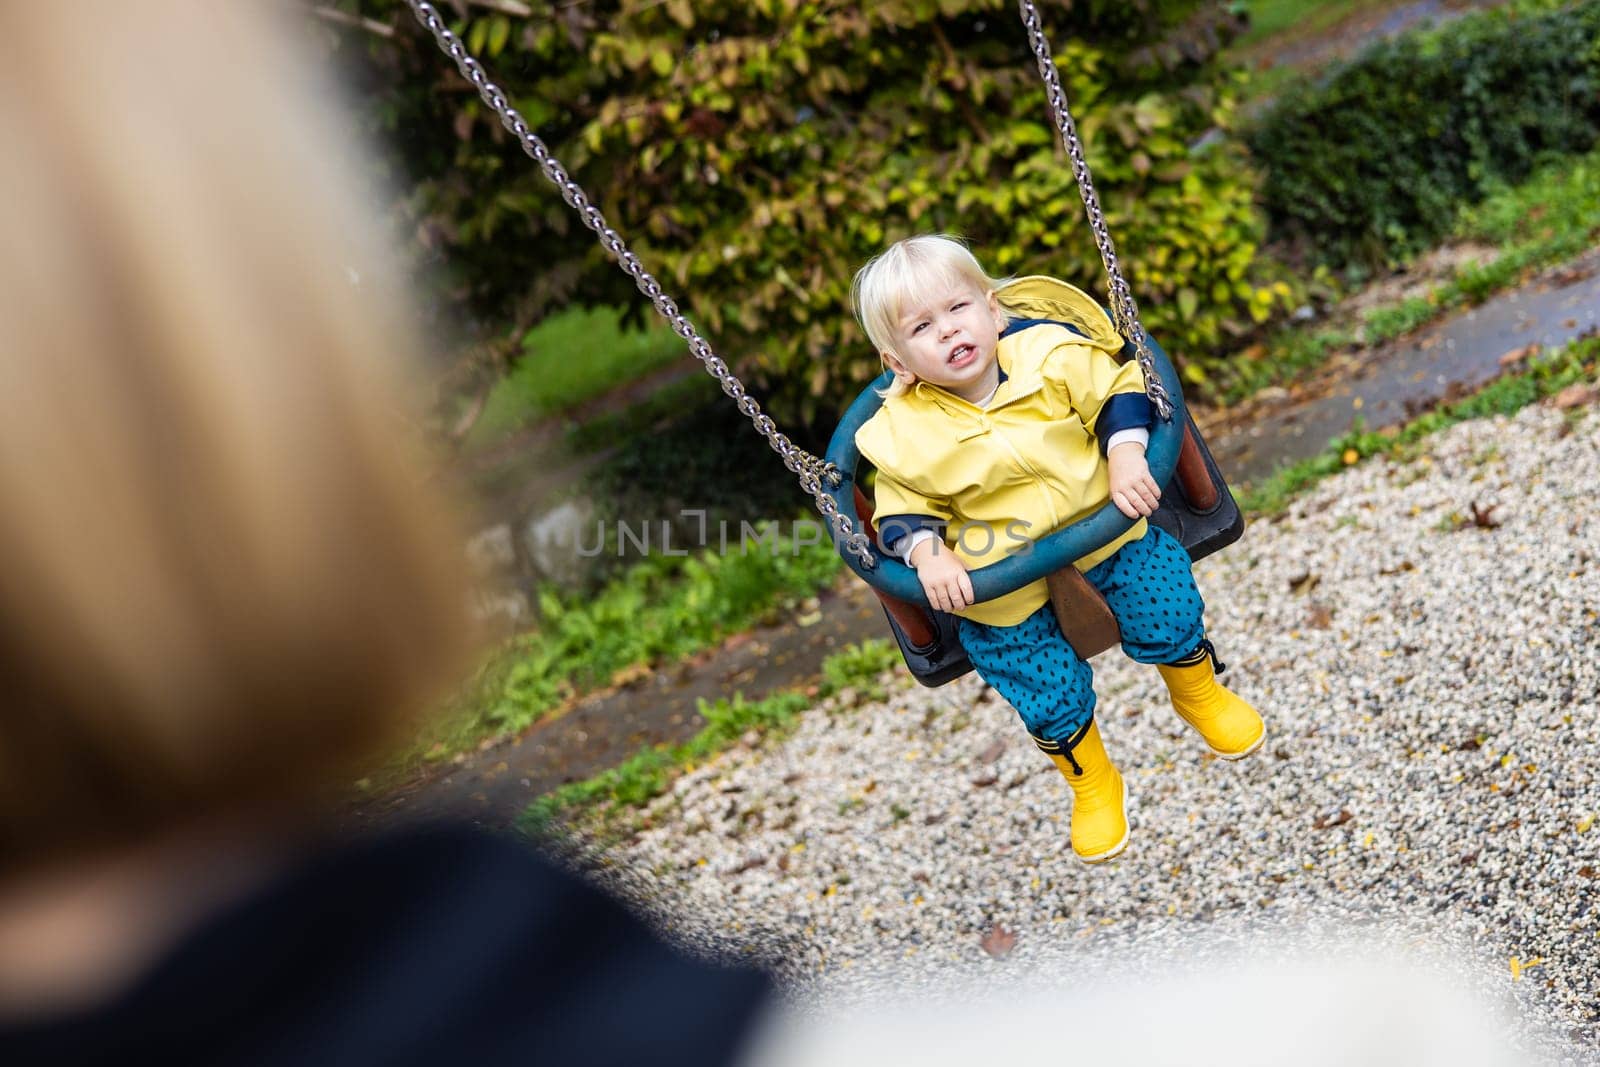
(756, 152)
(1372, 163)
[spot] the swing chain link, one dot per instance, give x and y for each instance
(812, 471)
(1124, 312)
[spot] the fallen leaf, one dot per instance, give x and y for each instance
(1587, 872)
(998, 942)
(1518, 355)
(1518, 967)
(992, 753)
(1585, 823)
(1329, 821)
(630, 675)
(1320, 618)
(1304, 582)
(1576, 396)
(1483, 518)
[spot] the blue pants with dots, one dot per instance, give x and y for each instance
(1149, 586)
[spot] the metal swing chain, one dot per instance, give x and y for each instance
(811, 470)
(1124, 312)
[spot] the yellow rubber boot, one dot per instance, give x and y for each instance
(1229, 726)
(1099, 795)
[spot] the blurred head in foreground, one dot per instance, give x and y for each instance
(221, 588)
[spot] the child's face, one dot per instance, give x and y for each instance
(948, 337)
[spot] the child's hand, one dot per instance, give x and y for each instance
(944, 577)
(1133, 490)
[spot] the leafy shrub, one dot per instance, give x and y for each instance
(756, 153)
(1372, 163)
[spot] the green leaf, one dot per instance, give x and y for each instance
(1188, 302)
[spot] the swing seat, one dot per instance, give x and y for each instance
(1196, 508)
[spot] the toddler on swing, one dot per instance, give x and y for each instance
(1003, 424)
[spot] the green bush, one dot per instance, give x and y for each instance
(1373, 162)
(756, 152)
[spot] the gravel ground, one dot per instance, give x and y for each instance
(1422, 639)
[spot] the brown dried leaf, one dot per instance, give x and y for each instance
(1320, 618)
(631, 675)
(998, 942)
(1304, 582)
(1519, 355)
(1577, 395)
(1329, 821)
(1483, 518)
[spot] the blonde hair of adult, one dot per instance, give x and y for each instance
(221, 587)
(884, 285)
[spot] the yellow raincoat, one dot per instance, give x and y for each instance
(1029, 463)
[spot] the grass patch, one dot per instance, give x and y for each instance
(1543, 377)
(659, 610)
(571, 357)
(1285, 20)
(649, 772)
(1547, 220)
(1550, 218)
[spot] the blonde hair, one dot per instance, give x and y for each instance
(221, 584)
(882, 287)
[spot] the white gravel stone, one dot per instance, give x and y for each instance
(1430, 683)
